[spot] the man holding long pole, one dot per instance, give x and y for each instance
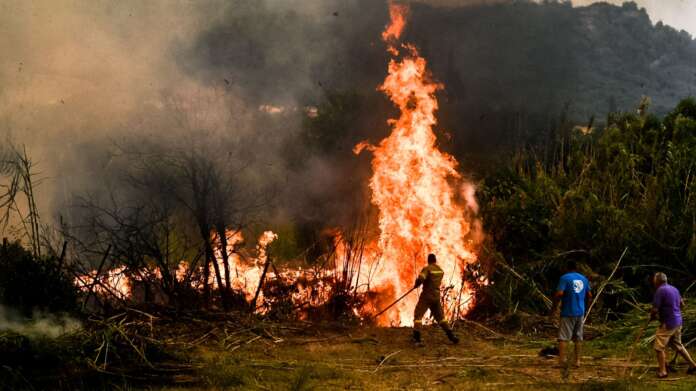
(430, 277)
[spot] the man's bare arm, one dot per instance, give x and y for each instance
(556, 300)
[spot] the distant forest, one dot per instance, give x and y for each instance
(511, 71)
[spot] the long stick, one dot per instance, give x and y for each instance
(635, 342)
(604, 284)
(62, 255)
(96, 277)
(395, 301)
(529, 282)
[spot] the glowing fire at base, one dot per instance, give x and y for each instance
(413, 187)
(244, 277)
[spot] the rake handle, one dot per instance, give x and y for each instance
(395, 301)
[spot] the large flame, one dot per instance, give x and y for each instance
(397, 13)
(414, 186)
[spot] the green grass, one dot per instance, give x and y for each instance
(328, 360)
(303, 356)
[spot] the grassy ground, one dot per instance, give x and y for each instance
(316, 358)
(211, 351)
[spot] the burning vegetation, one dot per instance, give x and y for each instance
(192, 260)
(415, 186)
(424, 206)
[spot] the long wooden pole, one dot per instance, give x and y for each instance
(395, 301)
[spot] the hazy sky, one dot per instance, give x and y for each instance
(680, 14)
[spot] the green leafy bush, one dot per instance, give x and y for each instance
(631, 184)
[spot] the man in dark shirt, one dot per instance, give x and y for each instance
(667, 305)
(430, 277)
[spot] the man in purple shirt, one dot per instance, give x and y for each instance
(666, 307)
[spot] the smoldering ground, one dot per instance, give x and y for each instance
(38, 325)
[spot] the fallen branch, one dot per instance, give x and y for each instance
(498, 335)
(387, 357)
(633, 346)
(137, 350)
(528, 281)
(318, 340)
(604, 284)
(96, 277)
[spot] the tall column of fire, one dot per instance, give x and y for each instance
(414, 185)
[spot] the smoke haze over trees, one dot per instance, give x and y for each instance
(249, 72)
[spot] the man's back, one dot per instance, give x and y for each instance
(668, 303)
(432, 278)
(574, 287)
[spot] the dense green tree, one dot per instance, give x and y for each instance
(630, 184)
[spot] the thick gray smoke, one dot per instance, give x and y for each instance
(76, 75)
(81, 79)
(84, 78)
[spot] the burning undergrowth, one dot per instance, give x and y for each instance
(423, 203)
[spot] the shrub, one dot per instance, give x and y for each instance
(28, 284)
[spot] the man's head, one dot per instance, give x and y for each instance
(659, 278)
(431, 259)
(571, 266)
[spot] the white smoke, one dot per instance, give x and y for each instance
(39, 325)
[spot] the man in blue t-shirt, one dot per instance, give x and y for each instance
(572, 291)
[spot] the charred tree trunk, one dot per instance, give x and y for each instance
(201, 187)
(210, 258)
(96, 277)
(206, 278)
(252, 307)
(222, 234)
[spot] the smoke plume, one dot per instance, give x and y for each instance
(40, 325)
(83, 78)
